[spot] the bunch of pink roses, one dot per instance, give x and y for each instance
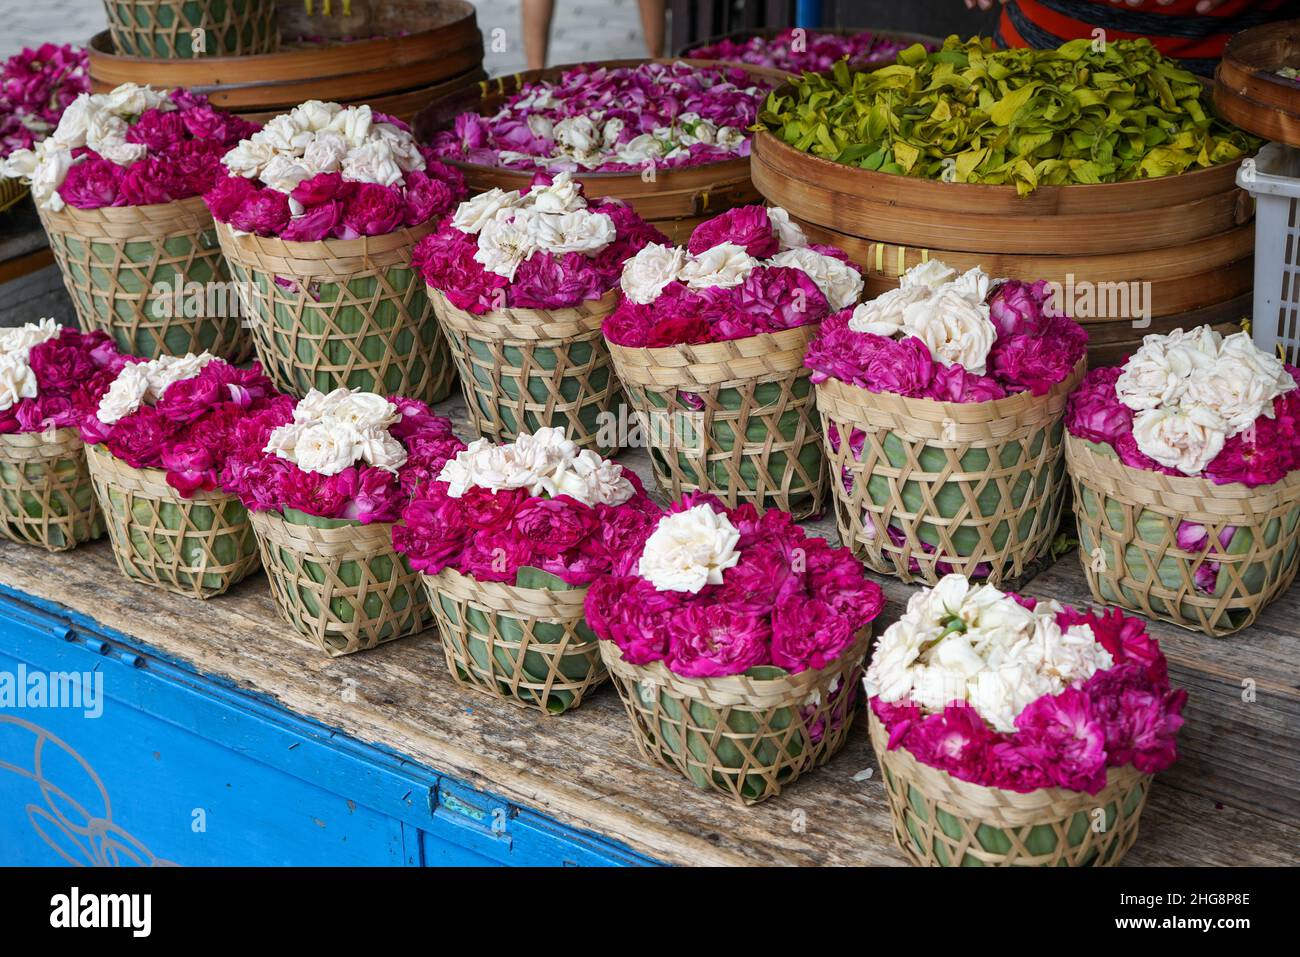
(68, 371)
(36, 86)
(805, 51)
(549, 506)
(745, 272)
(1032, 348)
(460, 260)
(1121, 715)
(183, 143)
(607, 119)
(185, 426)
(775, 597)
(361, 492)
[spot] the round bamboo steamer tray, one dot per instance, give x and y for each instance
(412, 45)
(1183, 277)
(1106, 218)
(694, 193)
(1247, 89)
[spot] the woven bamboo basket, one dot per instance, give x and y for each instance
(396, 55)
(338, 582)
(526, 369)
(344, 312)
(122, 264)
(526, 643)
(12, 192)
(734, 418)
(940, 821)
(1128, 526)
(46, 496)
(166, 29)
(198, 546)
(965, 484)
(746, 736)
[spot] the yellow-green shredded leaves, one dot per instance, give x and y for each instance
(970, 114)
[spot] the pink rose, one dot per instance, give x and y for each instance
(264, 213)
(93, 183)
(808, 634)
(425, 198)
(190, 466)
(227, 196)
(322, 188)
(1095, 412)
(373, 210)
(316, 223)
(712, 640)
(746, 226)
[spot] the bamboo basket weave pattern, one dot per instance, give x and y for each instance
(526, 369)
(940, 821)
(112, 258)
(527, 645)
(164, 28)
(199, 546)
(1128, 540)
(46, 496)
(748, 735)
(12, 192)
(348, 313)
(338, 582)
(736, 418)
(976, 487)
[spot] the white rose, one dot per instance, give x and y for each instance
(249, 158)
(640, 150)
(1186, 439)
(283, 440)
(953, 328)
(577, 133)
(580, 231)
(973, 284)
(363, 411)
(789, 234)
(377, 447)
(21, 339)
(592, 480)
(71, 131)
(44, 170)
(930, 275)
(132, 100)
(314, 115)
(540, 126)
(473, 214)
(647, 273)
(353, 123)
(284, 134)
(1232, 392)
(562, 196)
(406, 152)
(284, 173)
(165, 370)
(326, 449)
(505, 241)
(1264, 366)
(1158, 373)
(106, 135)
(17, 380)
(373, 162)
(316, 406)
(689, 550)
(730, 139)
(883, 316)
(724, 265)
(125, 394)
(612, 131)
(840, 283)
(325, 153)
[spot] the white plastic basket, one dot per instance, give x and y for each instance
(1273, 178)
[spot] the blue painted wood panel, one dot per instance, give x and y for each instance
(183, 768)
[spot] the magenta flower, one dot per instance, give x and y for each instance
(746, 226)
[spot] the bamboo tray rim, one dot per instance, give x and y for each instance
(1285, 31)
(766, 141)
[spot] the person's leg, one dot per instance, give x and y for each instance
(537, 31)
(652, 25)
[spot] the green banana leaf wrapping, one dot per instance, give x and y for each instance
(338, 582)
(530, 646)
(46, 495)
(164, 29)
(1129, 550)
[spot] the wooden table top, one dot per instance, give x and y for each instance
(1229, 801)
